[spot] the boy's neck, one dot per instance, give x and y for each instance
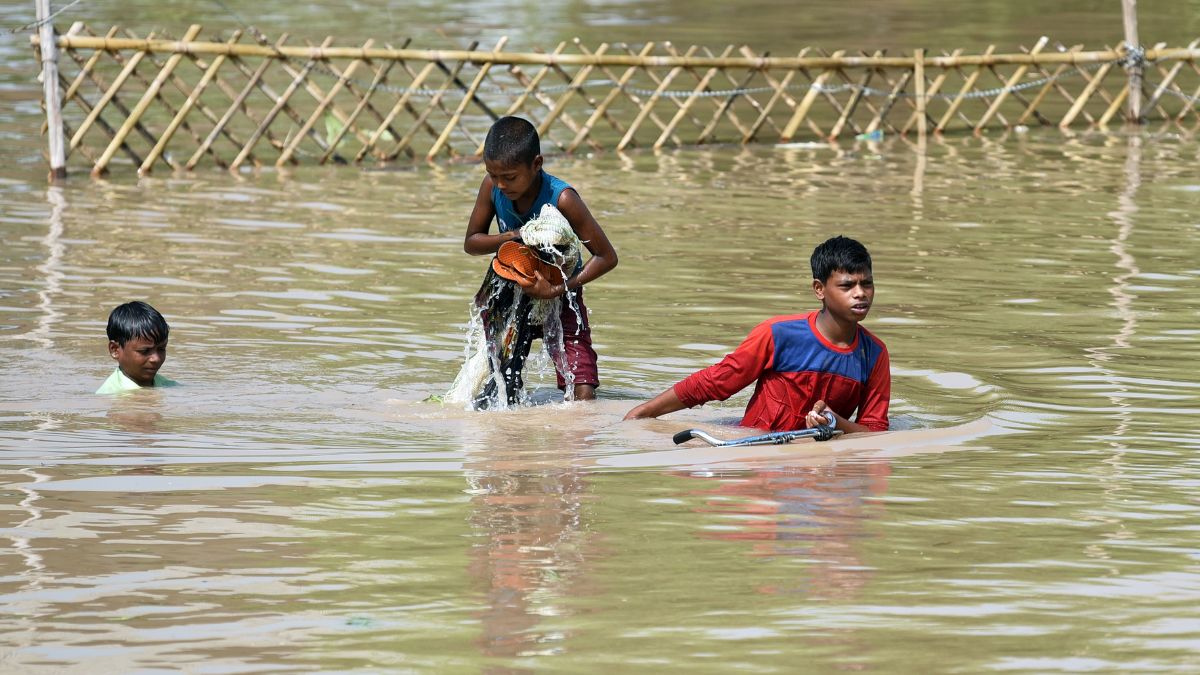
(837, 332)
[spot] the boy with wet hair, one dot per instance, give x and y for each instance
(137, 341)
(513, 192)
(804, 364)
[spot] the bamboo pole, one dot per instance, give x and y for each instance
(86, 106)
(934, 87)
(613, 93)
(363, 103)
(810, 97)
(610, 59)
(683, 110)
(881, 116)
(994, 108)
(608, 116)
(581, 91)
(966, 88)
(297, 80)
(919, 86)
(1113, 108)
(85, 68)
(50, 91)
(140, 108)
(780, 94)
(317, 113)
(1051, 83)
(193, 98)
(444, 138)
(1083, 97)
(1133, 68)
(401, 104)
(727, 110)
(576, 84)
(238, 101)
(451, 76)
(685, 104)
(648, 108)
(856, 96)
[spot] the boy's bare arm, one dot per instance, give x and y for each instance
(478, 241)
(604, 256)
(666, 402)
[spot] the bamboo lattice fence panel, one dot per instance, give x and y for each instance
(245, 99)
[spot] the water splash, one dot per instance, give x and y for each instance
(504, 322)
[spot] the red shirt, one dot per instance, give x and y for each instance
(795, 366)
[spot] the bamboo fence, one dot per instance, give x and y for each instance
(248, 100)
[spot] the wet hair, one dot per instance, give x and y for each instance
(136, 320)
(512, 141)
(839, 253)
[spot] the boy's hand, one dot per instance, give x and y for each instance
(542, 289)
(816, 416)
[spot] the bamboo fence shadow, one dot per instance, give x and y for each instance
(248, 100)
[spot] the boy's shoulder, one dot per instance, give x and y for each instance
(872, 337)
(119, 382)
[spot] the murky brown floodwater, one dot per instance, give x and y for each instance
(295, 506)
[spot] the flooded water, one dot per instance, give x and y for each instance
(296, 505)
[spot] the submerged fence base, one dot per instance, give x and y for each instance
(245, 99)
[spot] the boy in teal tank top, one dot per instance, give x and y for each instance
(513, 192)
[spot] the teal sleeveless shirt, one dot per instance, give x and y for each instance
(508, 217)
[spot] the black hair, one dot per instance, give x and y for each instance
(512, 141)
(839, 253)
(136, 320)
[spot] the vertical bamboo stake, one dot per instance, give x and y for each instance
(919, 86)
(54, 121)
(1133, 68)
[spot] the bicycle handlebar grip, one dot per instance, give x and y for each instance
(682, 437)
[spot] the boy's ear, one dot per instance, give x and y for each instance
(537, 162)
(819, 289)
(114, 349)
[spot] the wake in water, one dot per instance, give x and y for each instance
(505, 320)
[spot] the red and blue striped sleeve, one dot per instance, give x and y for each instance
(733, 373)
(873, 411)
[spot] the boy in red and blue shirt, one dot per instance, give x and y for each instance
(804, 364)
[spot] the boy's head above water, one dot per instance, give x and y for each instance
(512, 155)
(137, 341)
(842, 278)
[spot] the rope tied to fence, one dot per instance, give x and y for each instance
(1135, 56)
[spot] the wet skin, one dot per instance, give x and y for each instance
(139, 358)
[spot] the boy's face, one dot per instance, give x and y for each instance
(139, 358)
(514, 180)
(846, 296)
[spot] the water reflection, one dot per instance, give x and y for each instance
(815, 514)
(529, 504)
